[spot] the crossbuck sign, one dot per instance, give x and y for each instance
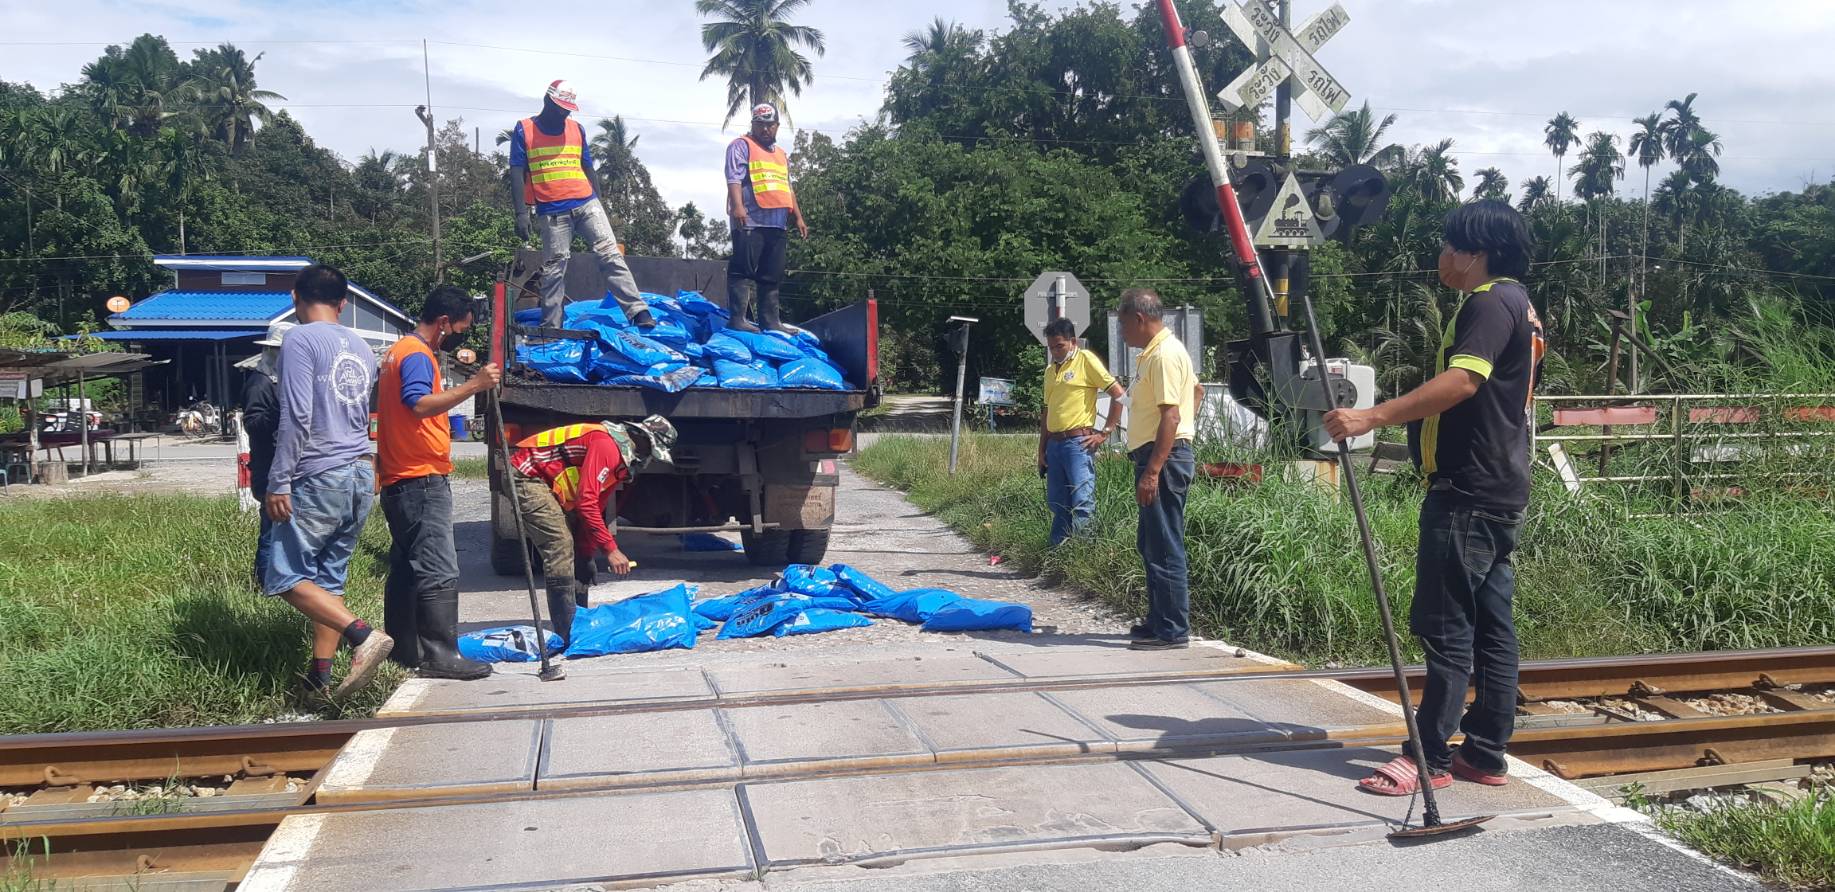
(1285, 56)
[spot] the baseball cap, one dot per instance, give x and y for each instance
(658, 432)
(562, 93)
(276, 332)
(766, 112)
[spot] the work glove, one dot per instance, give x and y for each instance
(522, 225)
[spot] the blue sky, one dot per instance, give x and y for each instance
(1487, 74)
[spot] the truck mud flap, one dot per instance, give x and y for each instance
(794, 507)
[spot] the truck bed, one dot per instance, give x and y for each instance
(598, 401)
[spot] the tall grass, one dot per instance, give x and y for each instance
(1789, 843)
(122, 611)
(1278, 566)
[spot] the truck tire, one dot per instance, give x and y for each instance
(770, 548)
(808, 546)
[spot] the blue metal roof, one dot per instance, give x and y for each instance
(208, 306)
(179, 334)
(255, 263)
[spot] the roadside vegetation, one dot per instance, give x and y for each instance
(1788, 842)
(1277, 566)
(122, 611)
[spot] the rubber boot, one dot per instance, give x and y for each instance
(401, 614)
(561, 607)
(585, 573)
(768, 310)
(739, 304)
(436, 630)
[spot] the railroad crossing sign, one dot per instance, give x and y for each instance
(1285, 56)
(1055, 294)
(1290, 221)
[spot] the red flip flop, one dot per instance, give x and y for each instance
(1399, 778)
(1465, 771)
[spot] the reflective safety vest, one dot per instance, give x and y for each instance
(555, 172)
(566, 484)
(769, 172)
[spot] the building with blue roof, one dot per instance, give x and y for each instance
(210, 317)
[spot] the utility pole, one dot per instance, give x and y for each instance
(425, 113)
(958, 341)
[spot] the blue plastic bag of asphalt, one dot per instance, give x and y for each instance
(763, 616)
(656, 621)
(723, 608)
(913, 605)
(819, 619)
(695, 304)
(810, 373)
(977, 615)
(720, 346)
(637, 348)
(807, 580)
(708, 542)
(528, 316)
(507, 644)
(776, 348)
(564, 361)
(745, 377)
(605, 312)
(673, 381)
(861, 586)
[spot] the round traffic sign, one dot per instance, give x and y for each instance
(119, 304)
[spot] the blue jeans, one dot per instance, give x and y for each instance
(316, 544)
(1161, 540)
(1464, 585)
(1070, 488)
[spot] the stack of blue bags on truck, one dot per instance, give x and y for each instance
(804, 600)
(689, 347)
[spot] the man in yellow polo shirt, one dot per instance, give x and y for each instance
(1162, 418)
(1068, 438)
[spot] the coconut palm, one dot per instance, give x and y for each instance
(751, 43)
(1536, 193)
(139, 87)
(614, 151)
(1356, 137)
(1492, 184)
(223, 84)
(1646, 146)
(1560, 135)
(1681, 124)
(942, 40)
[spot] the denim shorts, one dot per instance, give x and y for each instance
(316, 545)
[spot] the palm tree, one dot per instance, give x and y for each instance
(1356, 137)
(1698, 153)
(223, 82)
(1646, 146)
(614, 148)
(942, 39)
(1492, 184)
(1560, 135)
(137, 87)
(751, 42)
(1434, 172)
(1536, 192)
(1678, 129)
(1600, 163)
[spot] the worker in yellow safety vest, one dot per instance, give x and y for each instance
(551, 172)
(761, 206)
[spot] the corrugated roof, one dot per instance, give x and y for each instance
(179, 334)
(208, 306)
(255, 263)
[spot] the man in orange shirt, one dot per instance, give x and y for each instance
(420, 607)
(566, 479)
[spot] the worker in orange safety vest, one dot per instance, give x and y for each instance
(760, 206)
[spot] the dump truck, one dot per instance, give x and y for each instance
(761, 463)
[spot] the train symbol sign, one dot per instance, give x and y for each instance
(1290, 222)
(1285, 56)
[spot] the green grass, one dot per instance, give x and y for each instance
(121, 611)
(471, 468)
(1789, 843)
(1278, 567)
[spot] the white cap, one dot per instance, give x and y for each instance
(276, 332)
(766, 112)
(562, 93)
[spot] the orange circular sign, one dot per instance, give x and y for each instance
(466, 356)
(119, 304)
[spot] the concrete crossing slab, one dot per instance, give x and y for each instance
(596, 752)
(971, 727)
(899, 673)
(1073, 660)
(1300, 705)
(890, 818)
(774, 740)
(523, 692)
(1260, 798)
(1168, 716)
(418, 761)
(533, 843)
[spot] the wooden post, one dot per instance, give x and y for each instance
(82, 412)
(1605, 448)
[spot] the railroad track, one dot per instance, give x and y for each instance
(1583, 720)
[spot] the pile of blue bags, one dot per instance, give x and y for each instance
(689, 347)
(804, 600)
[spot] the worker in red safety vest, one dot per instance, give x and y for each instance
(551, 171)
(565, 478)
(760, 205)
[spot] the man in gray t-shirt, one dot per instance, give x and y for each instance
(322, 483)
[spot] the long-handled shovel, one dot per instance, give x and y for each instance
(1431, 825)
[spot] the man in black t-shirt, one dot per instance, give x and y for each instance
(1472, 443)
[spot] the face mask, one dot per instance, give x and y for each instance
(452, 340)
